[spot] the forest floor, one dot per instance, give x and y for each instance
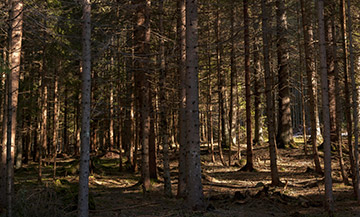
(228, 191)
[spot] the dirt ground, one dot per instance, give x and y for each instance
(228, 191)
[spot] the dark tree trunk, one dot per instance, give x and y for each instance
(182, 93)
(285, 133)
(270, 106)
(249, 149)
(311, 78)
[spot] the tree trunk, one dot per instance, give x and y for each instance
(142, 40)
(233, 86)
(182, 93)
(311, 79)
(249, 150)
(3, 148)
(270, 108)
(221, 88)
(329, 202)
(285, 133)
(355, 106)
(338, 100)
(257, 83)
(209, 101)
(329, 15)
(347, 92)
(83, 198)
(164, 108)
(195, 197)
(16, 17)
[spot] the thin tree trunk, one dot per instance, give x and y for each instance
(249, 149)
(329, 15)
(209, 100)
(257, 83)
(233, 86)
(3, 148)
(182, 93)
(111, 124)
(311, 79)
(329, 201)
(83, 198)
(195, 197)
(339, 113)
(347, 92)
(164, 108)
(355, 106)
(270, 108)
(221, 88)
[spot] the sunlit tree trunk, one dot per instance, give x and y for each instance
(16, 24)
(329, 201)
(83, 206)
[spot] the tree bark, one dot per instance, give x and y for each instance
(285, 133)
(311, 79)
(233, 86)
(249, 149)
(221, 88)
(355, 106)
(330, 56)
(142, 40)
(83, 198)
(329, 201)
(270, 108)
(182, 93)
(164, 108)
(195, 197)
(347, 92)
(16, 27)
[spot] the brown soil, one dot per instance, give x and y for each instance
(228, 191)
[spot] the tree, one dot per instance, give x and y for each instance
(311, 79)
(195, 197)
(142, 41)
(233, 86)
(285, 133)
(16, 31)
(181, 31)
(249, 151)
(329, 201)
(355, 107)
(83, 206)
(163, 108)
(347, 91)
(270, 108)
